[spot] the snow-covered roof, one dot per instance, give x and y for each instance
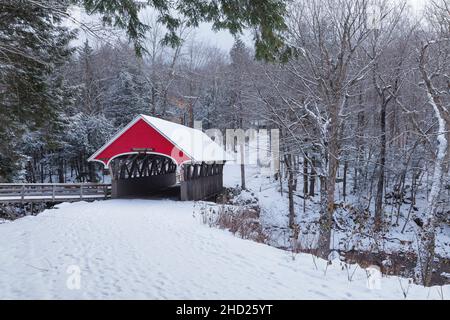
(186, 144)
(195, 143)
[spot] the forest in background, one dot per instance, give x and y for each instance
(360, 94)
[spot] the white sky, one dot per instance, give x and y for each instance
(221, 39)
(224, 39)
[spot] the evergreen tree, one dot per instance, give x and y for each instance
(84, 135)
(33, 44)
(90, 82)
(265, 17)
(128, 94)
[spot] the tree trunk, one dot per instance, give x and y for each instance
(323, 247)
(294, 173)
(327, 200)
(427, 233)
(359, 148)
(381, 171)
(61, 171)
(91, 172)
(333, 165)
(153, 103)
(305, 176)
(191, 114)
(344, 184)
(312, 178)
(288, 159)
(242, 149)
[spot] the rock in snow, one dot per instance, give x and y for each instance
(157, 249)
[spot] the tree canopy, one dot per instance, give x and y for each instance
(264, 17)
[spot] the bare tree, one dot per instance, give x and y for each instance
(328, 36)
(436, 84)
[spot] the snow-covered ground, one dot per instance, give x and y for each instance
(159, 249)
(353, 235)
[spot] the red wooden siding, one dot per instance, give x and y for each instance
(141, 136)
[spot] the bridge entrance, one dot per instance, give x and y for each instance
(141, 175)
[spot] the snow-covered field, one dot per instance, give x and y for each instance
(158, 249)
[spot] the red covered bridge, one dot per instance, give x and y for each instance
(150, 153)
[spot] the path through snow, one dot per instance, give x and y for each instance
(157, 249)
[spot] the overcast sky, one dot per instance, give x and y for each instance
(221, 39)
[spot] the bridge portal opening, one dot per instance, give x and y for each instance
(142, 175)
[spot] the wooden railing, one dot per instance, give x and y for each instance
(53, 192)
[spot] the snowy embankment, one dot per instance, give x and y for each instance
(355, 232)
(158, 249)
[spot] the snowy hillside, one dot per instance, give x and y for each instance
(159, 249)
(352, 232)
